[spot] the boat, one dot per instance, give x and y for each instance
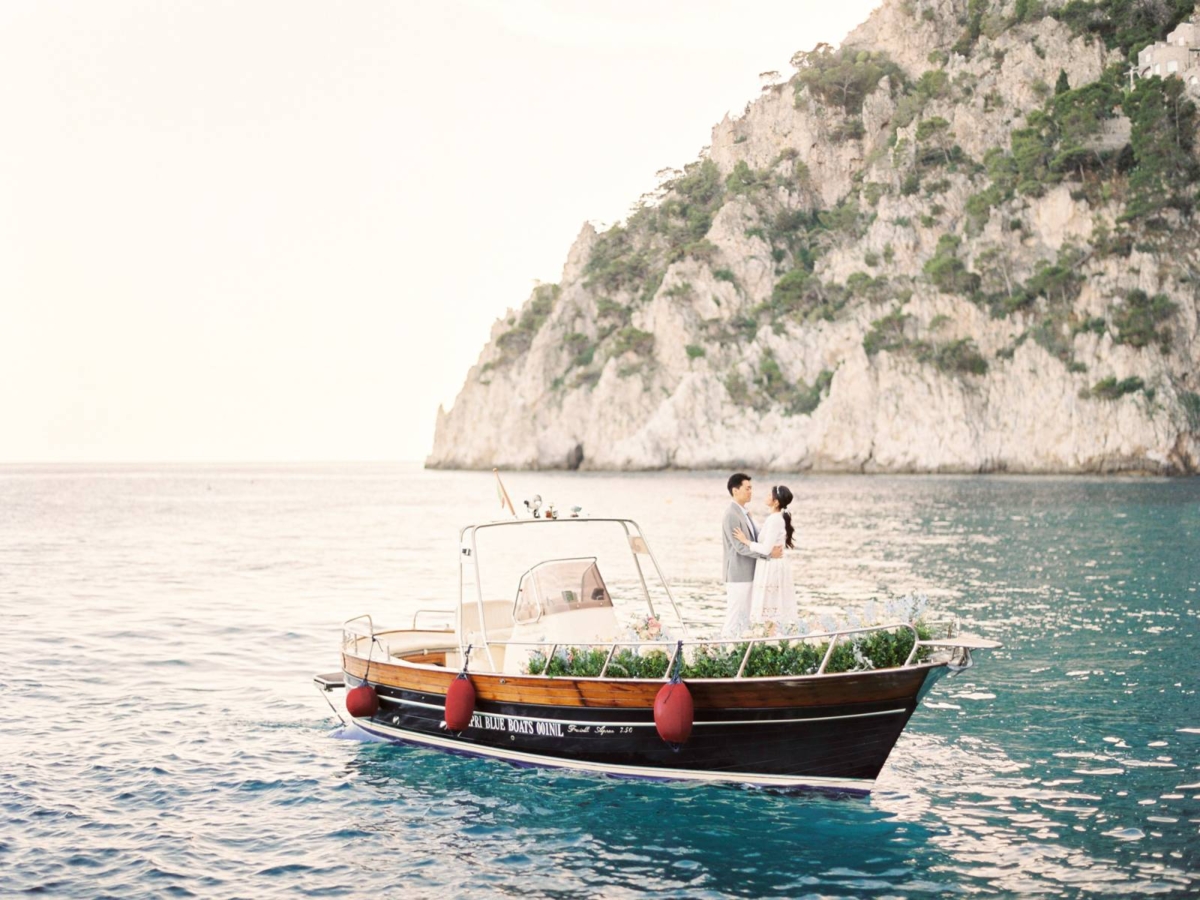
(535, 667)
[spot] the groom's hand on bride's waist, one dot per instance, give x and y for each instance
(776, 552)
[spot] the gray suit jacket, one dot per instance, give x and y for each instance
(739, 559)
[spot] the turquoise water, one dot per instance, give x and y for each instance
(159, 735)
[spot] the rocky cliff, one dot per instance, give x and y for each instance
(962, 242)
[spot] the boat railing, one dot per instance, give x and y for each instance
(673, 648)
(616, 645)
(442, 620)
(834, 637)
(362, 628)
(352, 632)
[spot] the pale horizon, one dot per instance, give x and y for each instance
(269, 232)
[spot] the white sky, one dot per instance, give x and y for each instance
(282, 230)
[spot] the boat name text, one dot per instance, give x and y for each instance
(517, 726)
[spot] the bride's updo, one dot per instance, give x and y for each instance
(781, 495)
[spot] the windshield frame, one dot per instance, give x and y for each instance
(468, 555)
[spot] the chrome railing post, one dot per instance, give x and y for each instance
(833, 639)
(608, 659)
(745, 659)
(916, 643)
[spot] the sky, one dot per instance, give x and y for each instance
(281, 230)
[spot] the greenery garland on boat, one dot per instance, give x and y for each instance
(771, 655)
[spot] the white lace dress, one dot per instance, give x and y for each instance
(772, 597)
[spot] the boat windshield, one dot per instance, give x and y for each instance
(558, 586)
(542, 567)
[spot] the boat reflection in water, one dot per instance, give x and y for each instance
(535, 667)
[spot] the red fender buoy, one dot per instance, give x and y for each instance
(362, 702)
(460, 703)
(674, 713)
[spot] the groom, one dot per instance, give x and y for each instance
(739, 559)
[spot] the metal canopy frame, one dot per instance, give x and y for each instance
(469, 554)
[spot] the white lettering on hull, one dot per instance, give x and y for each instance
(521, 726)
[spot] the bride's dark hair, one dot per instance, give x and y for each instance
(781, 495)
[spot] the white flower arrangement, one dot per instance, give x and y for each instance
(772, 629)
(648, 628)
(910, 609)
(861, 662)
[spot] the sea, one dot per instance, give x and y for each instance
(160, 734)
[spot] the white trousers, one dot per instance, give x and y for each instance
(737, 607)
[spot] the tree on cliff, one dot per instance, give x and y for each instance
(1164, 128)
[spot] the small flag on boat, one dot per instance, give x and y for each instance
(503, 494)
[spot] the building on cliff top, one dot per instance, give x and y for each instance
(1178, 55)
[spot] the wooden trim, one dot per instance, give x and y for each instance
(900, 684)
(427, 658)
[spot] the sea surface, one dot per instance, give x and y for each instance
(160, 735)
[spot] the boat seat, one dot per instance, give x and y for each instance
(595, 625)
(401, 643)
(498, 621)
(479, 658)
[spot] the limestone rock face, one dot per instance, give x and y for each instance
(699, 361)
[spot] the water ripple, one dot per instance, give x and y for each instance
(161, 736)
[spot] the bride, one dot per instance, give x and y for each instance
(772, 598)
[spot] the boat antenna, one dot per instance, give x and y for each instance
(503, 494)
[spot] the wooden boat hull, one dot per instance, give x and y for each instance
(829, 731)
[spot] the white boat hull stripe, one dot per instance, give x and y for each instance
(861, 785)
(699, 724)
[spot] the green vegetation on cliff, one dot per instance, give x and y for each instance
(841, 78)
(1127, 25)
(896, 333)
(1067, 139)
(514, 342)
